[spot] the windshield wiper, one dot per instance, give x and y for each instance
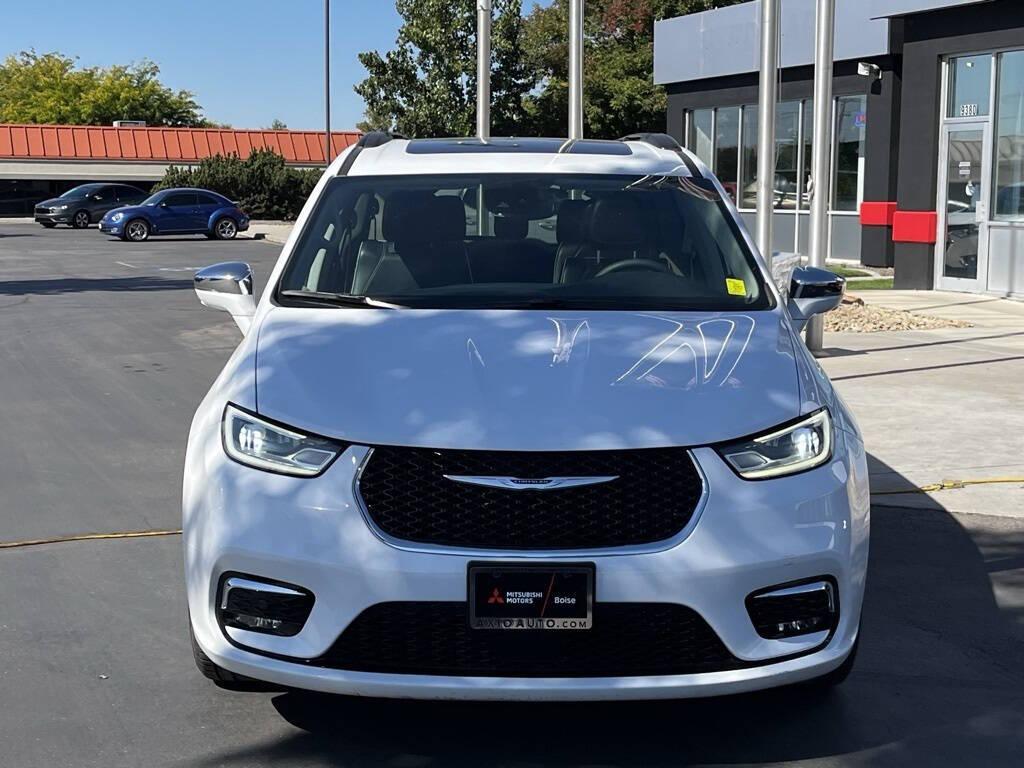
(325, 298)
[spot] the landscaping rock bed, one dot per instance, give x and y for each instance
(854, 316)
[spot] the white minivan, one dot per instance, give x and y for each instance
(523, 419)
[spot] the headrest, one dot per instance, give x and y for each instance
(572, 221)
(420, 217)
(617, 221)
(511, 227)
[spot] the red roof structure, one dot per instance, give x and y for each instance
(162, 145)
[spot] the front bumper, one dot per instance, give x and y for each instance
(64, 217)
(312, 532)
(111, 228)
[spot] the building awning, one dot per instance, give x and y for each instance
(726, 41)
(161, 145)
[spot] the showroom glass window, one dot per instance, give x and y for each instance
(970, 81)
(787, 122)
(1009, 171)
(748, 185)
(700, 140)
(808, 135)
(727, 135)
(787, 133)
(851, 120)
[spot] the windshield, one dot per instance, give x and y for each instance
(152, 199)
(82, 190)
(566, 241)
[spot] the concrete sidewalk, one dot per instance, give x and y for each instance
(271, 231)
(977, 309)
(940, 405)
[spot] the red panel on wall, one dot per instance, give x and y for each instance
(877, 214)
(914, 226)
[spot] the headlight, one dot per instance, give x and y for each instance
(62, 208)
(794, 448)
(117, 217)
(254, 442)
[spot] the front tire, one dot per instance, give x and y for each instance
(221, 677)
(225, 228)
(80, 220)
(136, 230)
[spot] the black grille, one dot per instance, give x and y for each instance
(434, 638)
(652, 499)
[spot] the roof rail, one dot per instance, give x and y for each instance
(367, 141)
(377, 138)
(664, 141)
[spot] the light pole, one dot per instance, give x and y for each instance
(824, 38)
(766, 127)
(483, 98)
(575, 69)
(327, 82)
(483, 69)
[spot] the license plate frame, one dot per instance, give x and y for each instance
(531, 596)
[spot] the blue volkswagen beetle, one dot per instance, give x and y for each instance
(177, 212)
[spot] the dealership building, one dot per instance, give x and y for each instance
(42, 161)
(928, 130)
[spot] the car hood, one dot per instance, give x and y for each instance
(526, 379)
(126, 209)
(60, 201)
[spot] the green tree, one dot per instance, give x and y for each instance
(426, 86)
(278, 125)
(261, 184)
(620, 96)
(49, 88)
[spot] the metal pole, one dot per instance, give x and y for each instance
(483, 69)
(327, 82)
(824, 37)
(766, 127)
(483, 98)
(575, 69)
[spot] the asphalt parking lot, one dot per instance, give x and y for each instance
(104, 354)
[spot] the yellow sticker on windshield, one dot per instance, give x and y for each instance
(735, 287)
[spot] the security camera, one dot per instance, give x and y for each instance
(867, 69)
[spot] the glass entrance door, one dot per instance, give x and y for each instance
(965, 178)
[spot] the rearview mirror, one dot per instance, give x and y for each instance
(813, 291)
(228, 286)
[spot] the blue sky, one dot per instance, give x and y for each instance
(247, 61)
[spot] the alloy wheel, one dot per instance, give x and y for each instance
(82, 219)
(226, 229)
(137, 230)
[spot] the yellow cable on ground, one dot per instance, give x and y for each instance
(87, 537)
(949, 485)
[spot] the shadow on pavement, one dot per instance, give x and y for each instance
(938, 680)
(59, 285)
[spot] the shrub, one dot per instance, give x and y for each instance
(262, 185)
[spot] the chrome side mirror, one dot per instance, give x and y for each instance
(228, 286)
(813, 291)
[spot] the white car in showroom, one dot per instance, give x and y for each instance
(523, 419)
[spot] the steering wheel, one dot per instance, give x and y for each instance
(617, 266)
